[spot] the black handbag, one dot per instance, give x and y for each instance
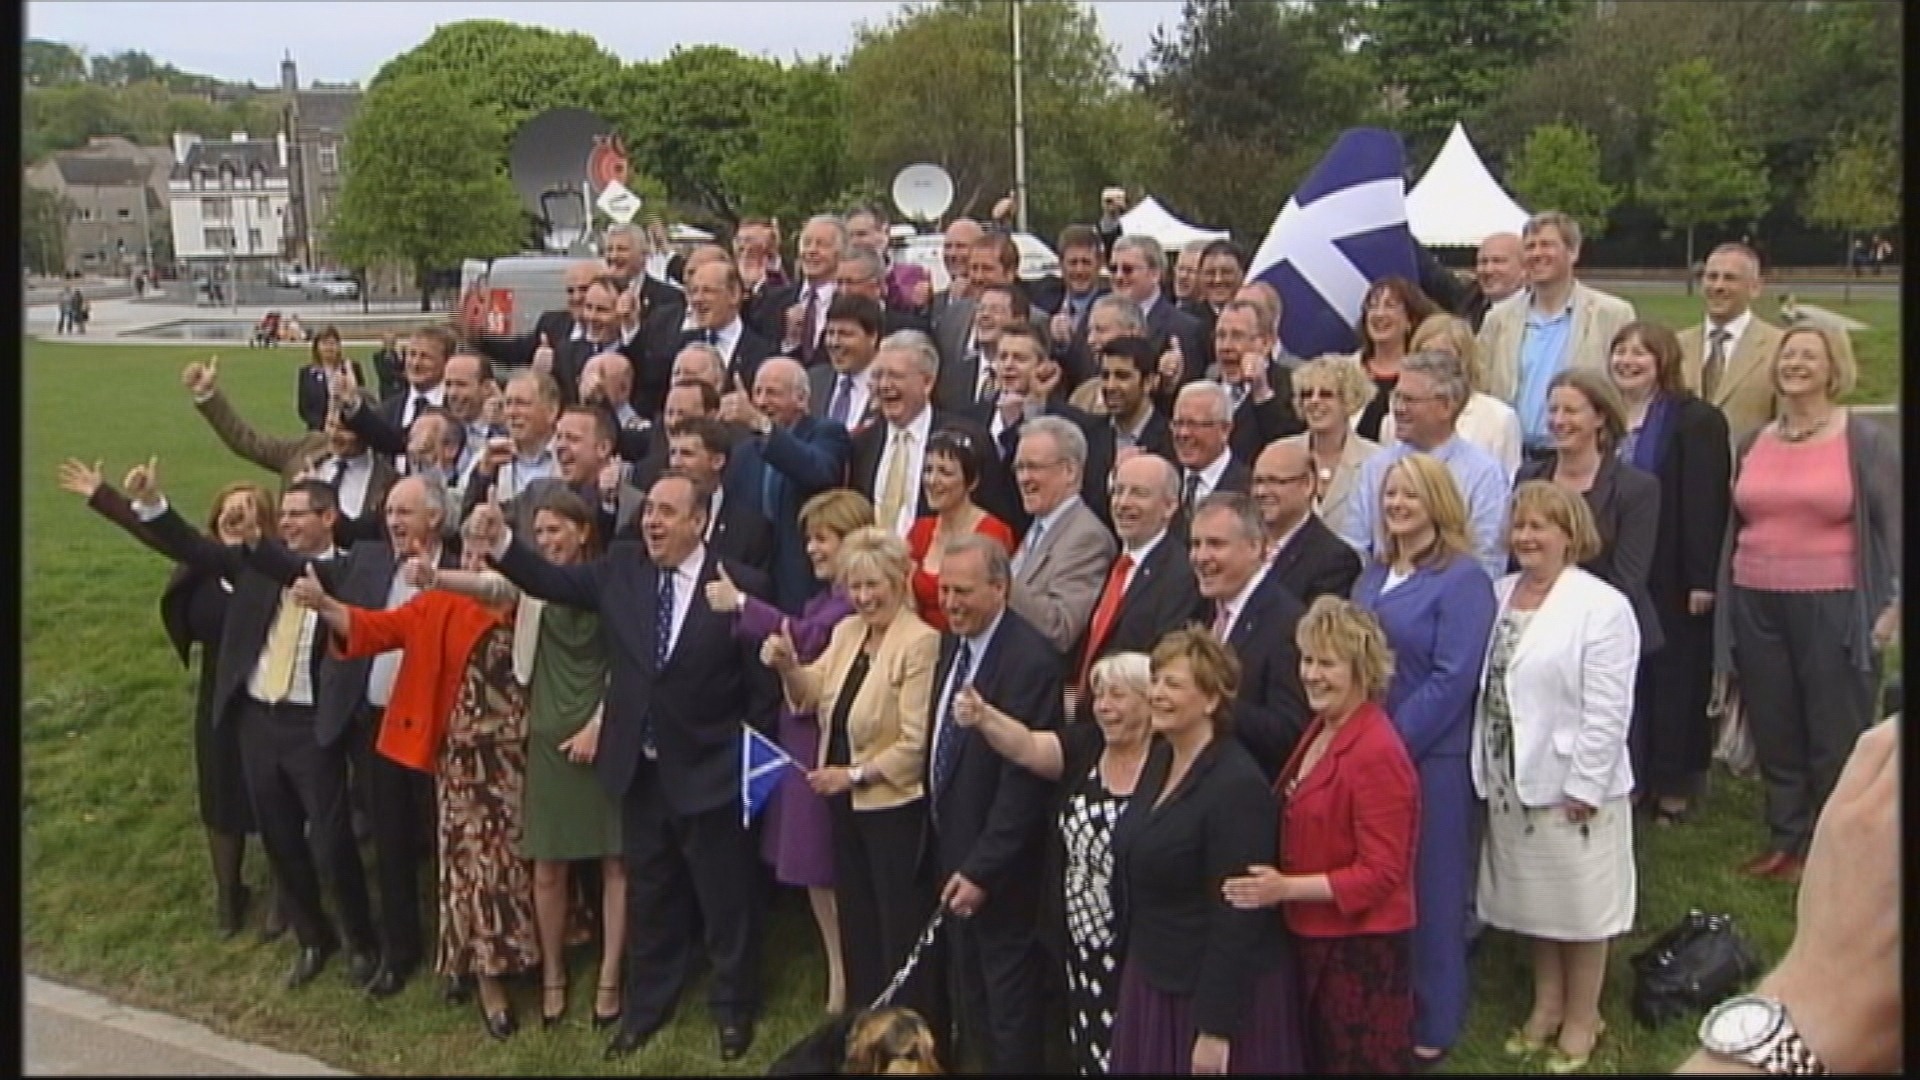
(1691, 968)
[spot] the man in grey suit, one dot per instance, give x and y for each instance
(1063, 561)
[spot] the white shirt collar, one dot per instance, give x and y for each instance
(977, 644)
(1734, 327)
(920, 426)
(689, 568)
(1281, 544)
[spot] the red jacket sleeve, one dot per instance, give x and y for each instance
(1386, 810)
(371, 632)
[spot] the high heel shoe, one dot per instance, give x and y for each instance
(549, 1019)
(1519, 1044)
(604, 1020)
(500, 1025)
(1560, 1063)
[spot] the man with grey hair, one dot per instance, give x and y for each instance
(1202, 432)
(904, 285)
(1136, 265)
(1064, 557)
(1555, 324)
(1186, 271)
(1112, 316)
(823, 242)
(863, 273)
(1426, 406)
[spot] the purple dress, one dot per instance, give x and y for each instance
(798, 837)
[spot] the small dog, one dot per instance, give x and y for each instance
(865, 1043)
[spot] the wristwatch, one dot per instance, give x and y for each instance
(1757, 1031)
(857, 775)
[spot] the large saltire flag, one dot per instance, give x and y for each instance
(761, 763)
(1345, 229)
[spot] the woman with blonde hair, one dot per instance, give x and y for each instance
(798, 830)
(1486, 421)
(870, 690)
(1809, 584)
(1550, 758)
(1350, 807)
(1329, 394)
(1435, 603)
(1096, 767)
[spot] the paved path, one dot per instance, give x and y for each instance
(73, 1032)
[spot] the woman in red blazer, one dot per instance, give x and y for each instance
(457, 711)
(1349, 818)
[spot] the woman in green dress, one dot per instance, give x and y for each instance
(559, 657)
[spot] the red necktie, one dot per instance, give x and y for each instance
(1103, 614)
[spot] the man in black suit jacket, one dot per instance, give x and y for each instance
(551, 329)
(1262, 390)
(1248, 609)
(1305, 556)
(352, 695)
(736, 530)
(713, 302)
(1015, 399)
(803, 304)
(296, 770)
(1137, 263)
(1068, 301)
(840, 389)
(1127, 377)
(986, 815)
(1151, 588)
(682, 689)
(1202, 425)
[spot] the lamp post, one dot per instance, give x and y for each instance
(1019, 130)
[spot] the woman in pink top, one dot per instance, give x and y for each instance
(1808, 589)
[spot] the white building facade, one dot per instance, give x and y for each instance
(229, 200)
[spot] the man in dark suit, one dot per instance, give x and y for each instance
(888, 455)
(1307, 557)
(966, 362)
(840, 389)
(1261, 391)
(863, 273)
(1127, 375)
(266, 680)
(682, 689)
(1202, 422)
(955, 246)
(388, 368)
(736, 530)
(986, 815)
(352, 695)
(1150, 589)
(463, 388)
(1497, 274)
(799, 457)
(803, 316)
(1015, 399)
(1136, 264)
(713, 302)
(550, 330)
(1217, 277)
(1068, 301)
(1248, 609)
(425, 361)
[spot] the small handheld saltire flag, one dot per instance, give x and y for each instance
(1345, 229)
(761, 762)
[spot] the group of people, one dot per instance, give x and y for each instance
(1206, 700)
(74, 313)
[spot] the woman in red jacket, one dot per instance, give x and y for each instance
(1350, 809)
(458, 712)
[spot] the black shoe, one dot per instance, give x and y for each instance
(500, 1025)
(233, 909)
(547, 1019)
(387, 982)
(608, 1020)
(275, 924)
(361, 967)
(626, 1041)
(456, 989)
(736, 1037)
(307, 965)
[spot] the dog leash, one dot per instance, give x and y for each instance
(913, 958)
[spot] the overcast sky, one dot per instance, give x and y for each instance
(340, 41)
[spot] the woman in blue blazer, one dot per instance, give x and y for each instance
(1436, 604)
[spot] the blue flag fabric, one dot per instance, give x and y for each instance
(761, 763)
(1345, 229)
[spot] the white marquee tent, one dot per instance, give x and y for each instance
(1458, 203)
(1149, 218)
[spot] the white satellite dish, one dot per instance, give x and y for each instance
(923, 192)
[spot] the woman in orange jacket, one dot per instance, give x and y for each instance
(457, 711)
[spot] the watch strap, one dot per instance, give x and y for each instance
(1790, 1056)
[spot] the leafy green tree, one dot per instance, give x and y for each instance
(1856, 188)
(425, 183)
(514, 72)
(691, 118)
(51, 63)
(43, 229)
(1701, 172)
(798, 163)
(1559, 169)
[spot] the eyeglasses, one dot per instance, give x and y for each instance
(1029, 467)
(1267, 480)
(1399, 397)
(1122, 269)
(1321, 393)
(1189, 425)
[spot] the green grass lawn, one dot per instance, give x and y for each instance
(117, 894)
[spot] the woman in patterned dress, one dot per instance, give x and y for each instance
(458, 711)
(1096, 766)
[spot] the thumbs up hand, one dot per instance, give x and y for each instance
(142, 483)
(968, 708)
(723, 595)
(777, 651)
(1172, 363)
(543, 356)
(420, 573)
(307, 590)
(201, 379)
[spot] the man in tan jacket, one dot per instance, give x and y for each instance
(1553, 324)
(1728, 358)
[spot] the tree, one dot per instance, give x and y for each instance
(1856, 188)
(1559, 168)
(513, 72)
(1449, 59)
(694, 116)
(425, 184)
(51, 63)
(798, 161)
(43, 229)
(1701, 172)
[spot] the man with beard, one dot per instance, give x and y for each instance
(1127, 379)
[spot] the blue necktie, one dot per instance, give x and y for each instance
(842, 401)
(948, 751)
(769, 491)
(662, 642)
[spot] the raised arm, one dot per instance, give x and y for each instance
(270, 452)
(103, 499)
(1038, 752)
(579, 586)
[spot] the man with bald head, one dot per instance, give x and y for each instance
(552, 327)
(1309, 559)
(955, 249)
(1497, 274)
(714, 291)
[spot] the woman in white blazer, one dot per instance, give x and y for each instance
(1329, 394)
(1550, 758)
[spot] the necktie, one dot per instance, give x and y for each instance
(283, 649)
(983, 375)
(1193, 493)
(1716, 364)
(1104, 612)
(662, 645)
(806, 321)
(769, 491)
(1027, 547)
(893, 490)
(711, 337)
(947, 751)
(419, 402)
(842, 404)
(339, 473)
(1222, 622)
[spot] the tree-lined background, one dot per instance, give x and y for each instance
(1664, 125)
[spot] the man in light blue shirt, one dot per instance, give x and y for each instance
(1426, 404)
(1543, 353)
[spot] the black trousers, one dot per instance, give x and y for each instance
(883, 904)
(992, 962)
(299, 792)
(399, 806)
(1805, 701)
(688, 877)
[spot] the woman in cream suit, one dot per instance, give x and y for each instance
(1550, 758)
(870, 689)
(1330, 392)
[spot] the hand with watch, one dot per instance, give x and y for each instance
(1833, 1004)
